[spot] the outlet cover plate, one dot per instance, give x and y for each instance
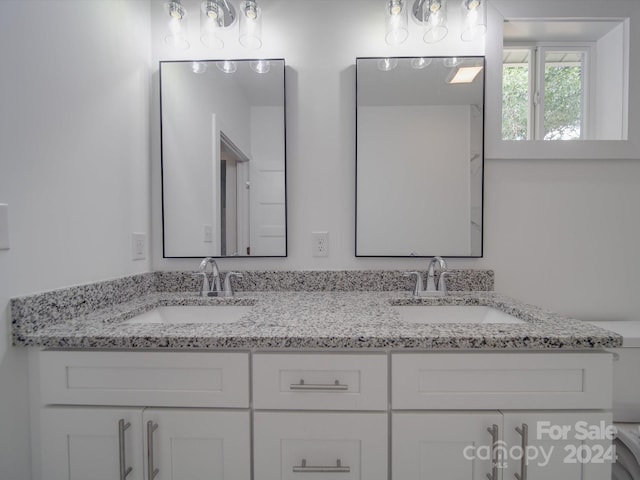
(138, 246)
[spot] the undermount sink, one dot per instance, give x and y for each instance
(428, 314)
(191, 314)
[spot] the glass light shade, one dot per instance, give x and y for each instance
(198, 67)
(250, 24)
(432, 16)
(419, 63)
(210, 34)
(260, 66)
(177, 37)
(474, 19)
(397, 29)
(386, 64)
(227, 66)
(451, 62)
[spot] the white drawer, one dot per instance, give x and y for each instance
(464, 380)
(187, 379)
(320, 382)
(348, 446)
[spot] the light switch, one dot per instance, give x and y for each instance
(4, 226)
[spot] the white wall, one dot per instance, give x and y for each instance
(74, 164)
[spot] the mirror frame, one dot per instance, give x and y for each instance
(284, 139)
(484, 127)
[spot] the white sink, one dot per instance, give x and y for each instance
(191, 314)
(453, 314)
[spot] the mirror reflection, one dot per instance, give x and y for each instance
(223, 158)
(420, 129)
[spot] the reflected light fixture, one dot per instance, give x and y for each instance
(386, 64)
(215, 15)
(432, 15)
(474, 19)
(397, 29)
(464, 74)
(260, 66)
(227, 66)
(451, 62)
(420, 62)
(250, 24)
(198, 67)
(177, 36)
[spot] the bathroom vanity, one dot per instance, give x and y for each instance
(317, 384)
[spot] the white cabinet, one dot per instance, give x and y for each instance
(198, 444)
(566, 445)
(321, 415)
(81, 443)
(440, 445)
(88, 443)
(307, 445)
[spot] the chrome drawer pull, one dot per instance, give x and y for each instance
(124, 470)
(303, 468)
(524, 433)
(495, 433)
(152, 471)
(336, 386)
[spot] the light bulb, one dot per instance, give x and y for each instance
(435, 6)
(176, 10)
(251, 11)
(395, 7)
(472, 4)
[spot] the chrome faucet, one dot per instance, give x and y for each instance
(215, 288)
(433, 289)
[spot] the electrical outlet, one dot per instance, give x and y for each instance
(208, 234)
(320, 244)
(138, 246)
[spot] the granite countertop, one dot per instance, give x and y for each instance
(318, 320)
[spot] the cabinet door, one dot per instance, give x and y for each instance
(443, 445)
(90, 443)
(198, 444)
(556, 445)
(345, 446)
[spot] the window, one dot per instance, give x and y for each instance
(545, 92)
(557, 74)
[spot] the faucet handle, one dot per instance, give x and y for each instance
(442, 281)
(418, 286)
(228, 287)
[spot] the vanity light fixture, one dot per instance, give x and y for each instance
(397, 29)
(215, 15)
(177, 36)
(250, 24)
(474, 19)
(227, 66)
(386, 64)
(464, 75)
(432, 16)
(260, 66)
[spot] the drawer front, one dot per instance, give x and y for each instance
(348, 446)
(320, 382)
(501, 381)
(193, 379)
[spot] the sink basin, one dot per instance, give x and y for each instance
(191, 314)
(453, 314)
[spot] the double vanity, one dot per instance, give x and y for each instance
(340, 375)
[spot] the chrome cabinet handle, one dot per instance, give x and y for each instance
(336, 386)
(124, 470)
(303, 468)
(152, 471)
(494, 431)
(524, 433)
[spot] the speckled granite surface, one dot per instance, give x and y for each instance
(326, 320)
